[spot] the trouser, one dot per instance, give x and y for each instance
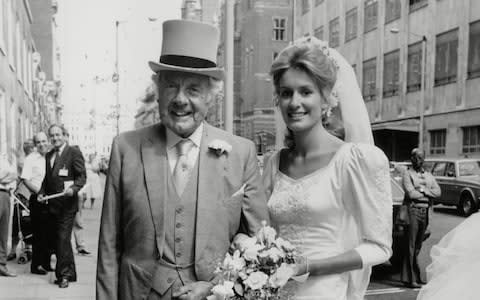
(413, 243)
(65, 267)
(43, 230)
(78, 230)
(4, 218)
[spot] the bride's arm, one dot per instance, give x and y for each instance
(365, 255)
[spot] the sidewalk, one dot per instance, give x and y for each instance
(27, 286)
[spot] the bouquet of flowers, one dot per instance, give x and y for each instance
(258, 268)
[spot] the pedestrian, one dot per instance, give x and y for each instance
(28, 148)
(420, 189)
(65, 173)
(177, 192)
(8, 176)
(32, 176)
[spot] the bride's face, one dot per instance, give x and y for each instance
(300, 101)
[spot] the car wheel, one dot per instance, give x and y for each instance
(466, 206)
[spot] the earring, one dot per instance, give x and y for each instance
(326, 112)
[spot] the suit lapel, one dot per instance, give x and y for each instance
(155, 166)
(60, 160)
(207, 191)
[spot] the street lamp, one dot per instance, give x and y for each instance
(116, 75)
(422, 82)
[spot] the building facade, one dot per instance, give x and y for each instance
(22, 79)
(263, 29)
(383, 40)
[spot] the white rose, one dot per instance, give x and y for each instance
(222, 291)
(281, 276)
(256, 280)
(235, 262)
(251, 252)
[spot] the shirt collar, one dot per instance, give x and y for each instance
(61, 149)
(195, 137)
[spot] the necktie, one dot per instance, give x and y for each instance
(55, 157)
(182, 169)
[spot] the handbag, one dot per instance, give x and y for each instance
(403, 215)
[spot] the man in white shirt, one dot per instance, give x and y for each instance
(32, 175)
(8, 175)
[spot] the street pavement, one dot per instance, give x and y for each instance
(385, 284)
(27, 286)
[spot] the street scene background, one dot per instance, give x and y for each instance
(83, 64)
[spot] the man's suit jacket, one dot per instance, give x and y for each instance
(71, 160)
(132, 231)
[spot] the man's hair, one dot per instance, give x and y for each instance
(64, 130)
(35, 137)
(416, 151)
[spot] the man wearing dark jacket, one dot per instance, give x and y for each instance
(65, 175)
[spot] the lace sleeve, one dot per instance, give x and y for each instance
(367, 194)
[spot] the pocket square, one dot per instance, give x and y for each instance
(240, 191)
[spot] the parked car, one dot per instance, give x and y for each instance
(459, 180)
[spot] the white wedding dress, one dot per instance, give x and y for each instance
(455, 267)
(331, 211)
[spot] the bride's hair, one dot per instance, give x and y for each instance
(314, 61)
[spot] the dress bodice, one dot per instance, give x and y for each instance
(329, 212)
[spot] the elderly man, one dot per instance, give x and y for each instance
(65, 175)
(179, 191)
(8, 175)
(420, 189)
(32, 175)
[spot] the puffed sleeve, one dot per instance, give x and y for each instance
(368, 196)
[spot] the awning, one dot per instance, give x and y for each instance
(410, 125)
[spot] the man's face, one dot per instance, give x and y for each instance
(41, 142)
(417, 159)
(183, 101)
(56, 137)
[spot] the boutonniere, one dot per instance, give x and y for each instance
(220, 147)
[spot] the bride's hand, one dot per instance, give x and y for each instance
(301, 266)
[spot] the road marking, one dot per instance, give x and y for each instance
(384, 291)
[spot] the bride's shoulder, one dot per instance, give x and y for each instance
(362, 155)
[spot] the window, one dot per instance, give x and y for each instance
(446, 57)
(305, 6)
(371, 14)
(439, 169)
(470, 168)
(3, 123)
(438, 140)
(351, 25)
(279, 29)
(318, 32)
(416, 4)
(474, 50)
(391, 65)
(450, 170)
(414, 67)
(369, 79)
(334, 36)
(392, 10)
(11, 36)
(274, 55)
(2, 20)
(318, 2)
(18, 50)
(471, 139)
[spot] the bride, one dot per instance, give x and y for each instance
(330, 187)
(453, 273)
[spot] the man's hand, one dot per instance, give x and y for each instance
(69, 192)
(194, 291)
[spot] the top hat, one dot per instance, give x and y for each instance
(190, 47)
